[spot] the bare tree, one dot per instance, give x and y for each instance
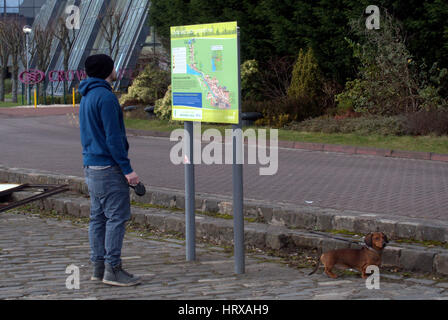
(275, 76)
(112, 23)
(66, 37)
(41, 47)
(4, 58)
(12, 35)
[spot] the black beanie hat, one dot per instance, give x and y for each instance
(99, 66)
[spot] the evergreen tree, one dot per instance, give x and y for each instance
(281, 27)
(306, 77)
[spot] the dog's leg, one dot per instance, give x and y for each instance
(363, 270)
(329, 273)
(329, 262)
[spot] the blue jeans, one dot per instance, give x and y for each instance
(110, 209)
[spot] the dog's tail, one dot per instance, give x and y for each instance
(318, 262)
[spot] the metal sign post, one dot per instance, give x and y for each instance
(237, 178)
(190, 230)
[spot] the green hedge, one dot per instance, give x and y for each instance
(414, 124)
(366, 125)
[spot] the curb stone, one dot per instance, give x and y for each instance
(277, 214)
(257, 235)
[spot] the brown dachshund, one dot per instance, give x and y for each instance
(358, 259)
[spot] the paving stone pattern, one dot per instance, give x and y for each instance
(35, 252)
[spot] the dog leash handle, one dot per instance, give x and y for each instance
(139, 189)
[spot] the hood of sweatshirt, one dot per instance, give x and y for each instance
(92, 83)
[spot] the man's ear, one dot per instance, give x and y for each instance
(368, 239)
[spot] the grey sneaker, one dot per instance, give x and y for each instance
(116, 276)
(98, 271)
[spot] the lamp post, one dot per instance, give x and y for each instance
(27, 30)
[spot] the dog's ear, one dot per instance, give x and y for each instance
(385, 237)
(368, 239)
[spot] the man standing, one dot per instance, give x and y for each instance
(107, 170)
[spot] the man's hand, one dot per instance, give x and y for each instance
(132, 178)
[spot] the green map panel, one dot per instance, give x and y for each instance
(204, 69)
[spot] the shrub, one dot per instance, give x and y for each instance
(418, 123)
(386, 84)
(138, 113)
(427, 122)
(250, 80)
(306, 77)
(56, 99)
(279, 112)
(162, 107)
(275, 77)
(289, 100)
(366, 125)
(431, 99)
(355, 97)
(330, 88)
(149, 86)
(434, 84)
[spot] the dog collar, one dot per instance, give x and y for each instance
(373, 249)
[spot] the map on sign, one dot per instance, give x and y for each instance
(204, 71)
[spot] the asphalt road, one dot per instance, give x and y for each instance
(403, 187)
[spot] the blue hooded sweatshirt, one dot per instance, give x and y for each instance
(103, 135)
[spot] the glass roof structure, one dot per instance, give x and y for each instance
(91, 37)
(28, 9)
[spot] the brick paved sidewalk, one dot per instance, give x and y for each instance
(35, 251)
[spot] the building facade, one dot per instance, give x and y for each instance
(119, 28)
(27, 9)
